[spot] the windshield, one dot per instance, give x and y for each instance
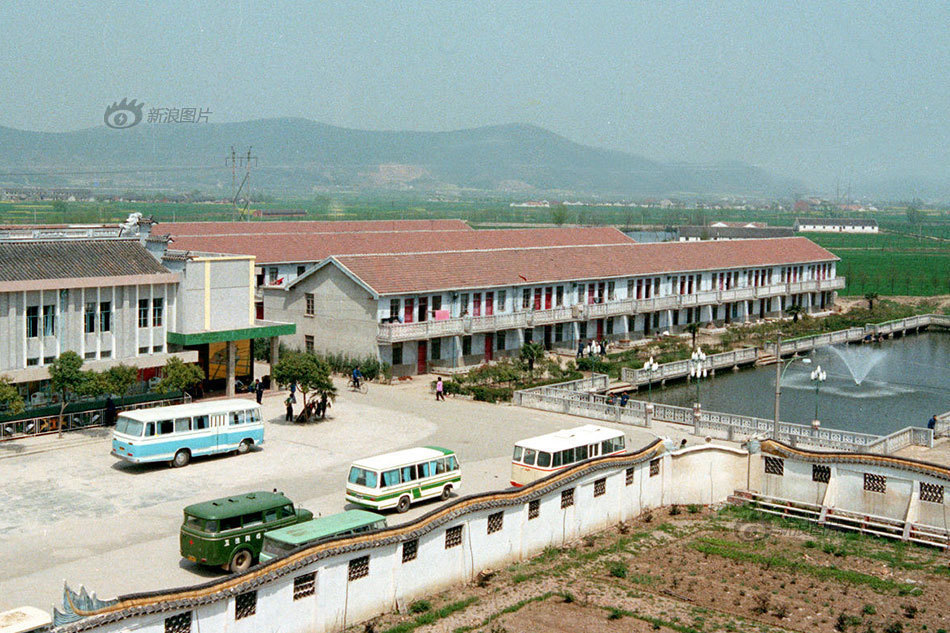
(362, 477)
(128, 427)
(517, 456)
(195, 523)
(276, 548)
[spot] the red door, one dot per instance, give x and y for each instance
(477, 304)
(600, 329)
(548, 294)
(489, 303)
(590, 293)
(407, 312)
(489, 346)
(421, 357)
(537, 298)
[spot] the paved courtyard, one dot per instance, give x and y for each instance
(73, 512)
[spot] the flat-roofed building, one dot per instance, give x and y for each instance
(714, 232)
(425, 310)
(835, 225)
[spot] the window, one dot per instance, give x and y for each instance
(308, 343)
(410, 549)
(394, 308)
(529, 455)
(502, 296)
(821, 474)
(453, 537)
(143, 349)
(391, 478)
(32, 321)
(300, 270)
(158, 349)
(558, 332)
(397, 354)
(466, 346)
(567, 498)
(436, 302)
(236, 418)
(89, 355)
(544, 459)
(158, 312)
(305, 585)
(495, 522)
(271, 275)
(559, 296)
(48, 360)
(32, 361)
(534, 509)
(49, 320)
(180, 623)
(359, 568)
(245, 605)
(408, 473)
(628, 480)
(500, 340)
(654, 467)
(201, 422)
(932, 493)
(143, 312)
(611, 286)
(310, 304)
(600, 487)
(875, 483)
(89, 318)
(105, 316)
(106, 353)
(435, 349)
(774, 466)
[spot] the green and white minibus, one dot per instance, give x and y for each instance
(285, 540)
(396, 480)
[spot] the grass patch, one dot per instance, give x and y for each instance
(511, 609)
(615, 613)
(420, 606)
(432, 616)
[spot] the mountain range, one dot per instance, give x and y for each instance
(298, 155)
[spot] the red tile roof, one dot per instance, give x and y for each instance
(429, 272)
(177, 229)
(314, 247)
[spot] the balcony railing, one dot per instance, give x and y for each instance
(458, 326)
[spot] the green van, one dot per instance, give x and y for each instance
(285, 540)
(229, 531)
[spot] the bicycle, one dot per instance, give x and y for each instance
(362, 388)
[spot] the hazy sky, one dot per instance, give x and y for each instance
(816, 90)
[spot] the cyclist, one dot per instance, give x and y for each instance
(357, 376)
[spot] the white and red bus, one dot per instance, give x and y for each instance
(540, 456)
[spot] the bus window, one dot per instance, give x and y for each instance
(195, 523)
(557, 459)
(518, 452)
(254, 416)
(544, 459)
(230, 523)
(362, 477)
(201, 422)
(390, 478)
(237, 417)
(252, 519)
(288, 510)
(408, 473)
(425, 470)
(182, 425)
(580, 453)
(129, 427)
(529, 456)
(611, 445)
(452, 463)
(567, 456)
(270, 515)
(150, 429)
(166, 427)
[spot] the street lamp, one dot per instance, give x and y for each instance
(697, 367)
(818, 376)
(651, 366)
(780, 368)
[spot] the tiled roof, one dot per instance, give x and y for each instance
(178, 229)
(836, 221)
(71, 259)
(314, 247)
(429, 272)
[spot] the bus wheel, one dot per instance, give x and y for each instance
(403, 504)
(181, 458)
(244, 447)
(240, 561)
(446, 493)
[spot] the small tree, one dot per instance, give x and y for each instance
(67, 378)
(871, 296)
(559, 214)
(179, 376)
(531, 353)
(693, 328)
(119, 379)
(795, 310)
(310, 373)
(10, 398)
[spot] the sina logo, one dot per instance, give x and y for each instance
(123, 114)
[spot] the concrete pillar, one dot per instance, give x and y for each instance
(274, 352)
(648, 414)
(697, 414)
(232, 364)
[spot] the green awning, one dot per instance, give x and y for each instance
(266, 329)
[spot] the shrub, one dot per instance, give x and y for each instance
(420, 606)
(910, 611)
(869, 609)
(694, 508)
(615, 614)
(674, 510)
(761, 604)
(894, 627)
(617, 569)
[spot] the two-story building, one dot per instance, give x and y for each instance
(455, 308)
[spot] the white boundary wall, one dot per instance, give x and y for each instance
(605, 491)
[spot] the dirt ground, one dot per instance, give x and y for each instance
(846, 303)
(694, 570)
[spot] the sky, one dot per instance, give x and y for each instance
(828, 92)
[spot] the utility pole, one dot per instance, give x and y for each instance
(778, 383)
(235, 161)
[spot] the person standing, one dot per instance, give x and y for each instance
(293, 392)
(580, 349)
(439, 390)
(258, 390)
(289, 403)
(932, 422)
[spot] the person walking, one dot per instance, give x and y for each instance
(580, 349)
(357, 375)
(439, 390)
(289, 404)
(258, 390)
(323, 405)
(932, 422)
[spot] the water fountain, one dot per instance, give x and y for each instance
(860, 361)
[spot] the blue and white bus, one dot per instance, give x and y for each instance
(177, 433)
